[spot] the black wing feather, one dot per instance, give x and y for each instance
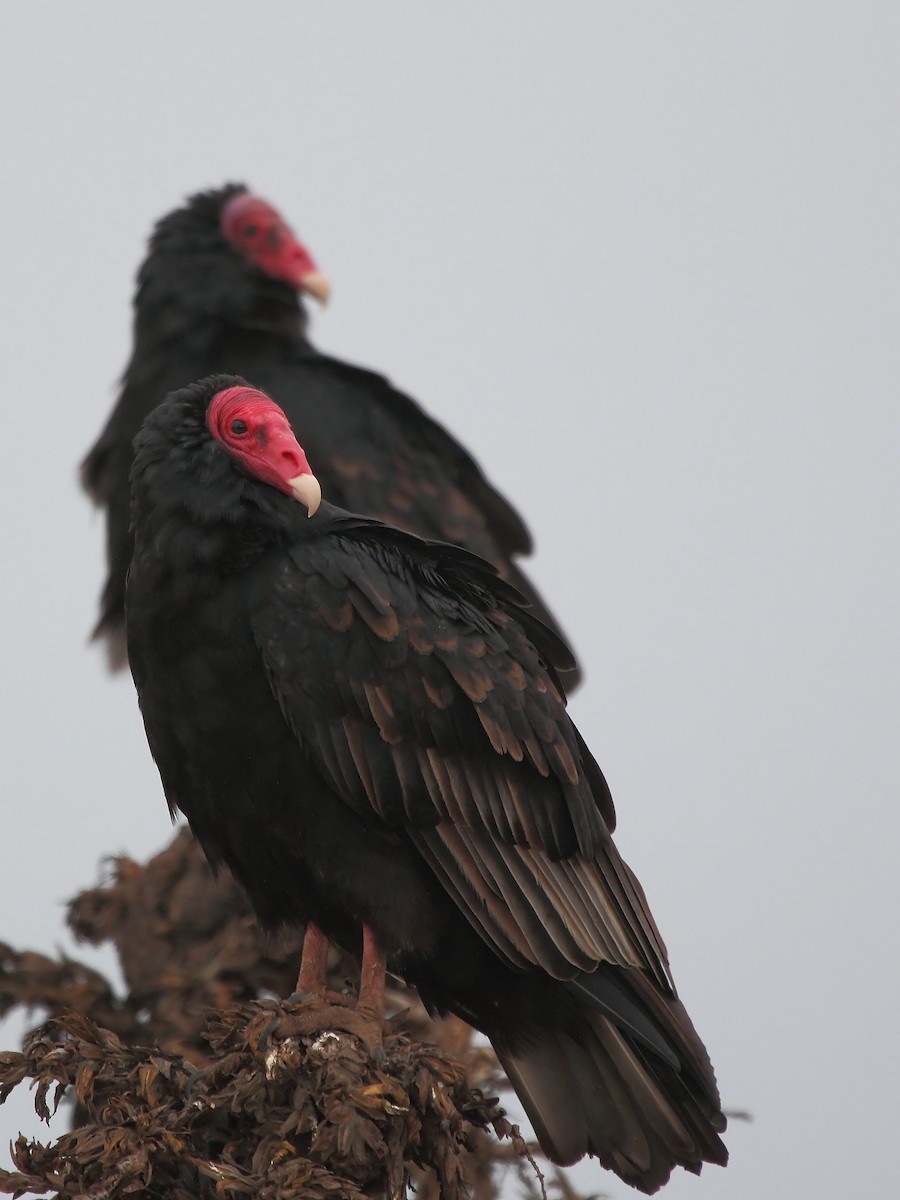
(433, 709)
(425, 435)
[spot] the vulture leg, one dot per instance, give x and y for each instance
(313, 962)
(320, 1009)
(371, 975)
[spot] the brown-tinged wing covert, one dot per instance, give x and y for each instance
(433, 703)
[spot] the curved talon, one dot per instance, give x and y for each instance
(322, 1019)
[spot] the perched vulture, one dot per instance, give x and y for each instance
(220, 290)
(369, 730)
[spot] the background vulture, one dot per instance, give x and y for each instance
(220, 291)
(368, 729)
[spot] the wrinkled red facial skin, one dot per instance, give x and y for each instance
(267, 448)
(258, 232)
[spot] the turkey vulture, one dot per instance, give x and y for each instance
(219, 291)
(369, 730)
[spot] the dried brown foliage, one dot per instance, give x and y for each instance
(283, 1108)
(195, 1016)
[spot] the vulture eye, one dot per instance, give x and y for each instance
(238, 426)
(251, 230)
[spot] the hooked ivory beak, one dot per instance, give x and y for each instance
(317, 285)
(307, 490)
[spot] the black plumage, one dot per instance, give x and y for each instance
(207, 301)
(369, 730)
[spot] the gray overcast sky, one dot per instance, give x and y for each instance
(643, 260)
